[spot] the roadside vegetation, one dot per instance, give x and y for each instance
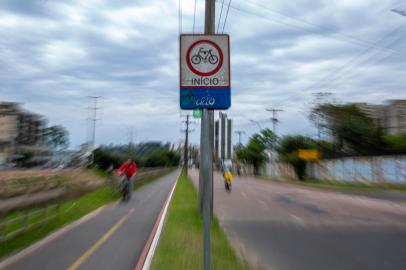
(34, 223)
(149, 154)
(181, 244)
(343, 131)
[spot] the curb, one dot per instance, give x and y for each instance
(144, 262)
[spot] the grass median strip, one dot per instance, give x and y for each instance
(181, 244)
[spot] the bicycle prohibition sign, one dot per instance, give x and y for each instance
(204, 58)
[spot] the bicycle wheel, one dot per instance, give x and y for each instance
(196, 59)
(213, 59)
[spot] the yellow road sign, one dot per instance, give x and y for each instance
(309, 154)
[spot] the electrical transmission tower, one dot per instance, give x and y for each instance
(187, 130)
(274, 118)
(93, 107)
(239, 133)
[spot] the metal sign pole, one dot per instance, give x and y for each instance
(206, 168)
(207, 154)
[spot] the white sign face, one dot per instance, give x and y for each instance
(204, 61)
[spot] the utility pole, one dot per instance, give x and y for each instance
(206, 146)
(239, 133)
(274, 118)
(131, 135)
(186, 147)
(93, 118)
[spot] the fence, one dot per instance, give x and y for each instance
(391, 169)
(26, 221)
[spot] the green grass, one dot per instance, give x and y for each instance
(77, 209)
(181, 244)
(67, 213)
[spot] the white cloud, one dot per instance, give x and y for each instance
(55, 53)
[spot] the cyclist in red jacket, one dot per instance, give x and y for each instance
(129, 170)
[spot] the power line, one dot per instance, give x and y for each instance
(221, 12)
(355, 41)
(194, 17)
(334, 75)
(324, 28)
(225, 20)
(180, 16)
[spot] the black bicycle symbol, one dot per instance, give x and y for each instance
(204, 55)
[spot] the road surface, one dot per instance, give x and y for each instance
(113, 239)
(287, 227)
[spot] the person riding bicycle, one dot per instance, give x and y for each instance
(129, 170)
(228, 177)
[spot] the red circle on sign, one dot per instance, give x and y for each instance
(204, 74)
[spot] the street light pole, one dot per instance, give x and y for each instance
(257, 123)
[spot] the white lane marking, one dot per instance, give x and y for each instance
(262, 203)
(298, 219)
(151, 252)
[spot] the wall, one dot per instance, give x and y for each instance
(278, 170)
(390, 169)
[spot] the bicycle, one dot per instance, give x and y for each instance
(204, 55)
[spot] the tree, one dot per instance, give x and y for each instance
(56, 137)
(352, 131)
(396, 144)
(288, 148)
(268, 138)
(254, 152)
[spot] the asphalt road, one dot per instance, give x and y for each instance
(288, 227)
(114, 239)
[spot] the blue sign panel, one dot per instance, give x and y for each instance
(209, 98)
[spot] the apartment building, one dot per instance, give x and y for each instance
(20, 132)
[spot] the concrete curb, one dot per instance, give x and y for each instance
(147, 254)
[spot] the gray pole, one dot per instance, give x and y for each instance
(207, 151)
(229, 138)
(223, 118)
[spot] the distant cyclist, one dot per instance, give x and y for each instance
(128, 170)
(228, 177)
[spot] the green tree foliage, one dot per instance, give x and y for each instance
(396, 144)
(353, 132)
(288, 148)
(149, 154)
(254, 152)
(267, 138)
(56, 137)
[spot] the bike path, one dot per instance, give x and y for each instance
(114, 239)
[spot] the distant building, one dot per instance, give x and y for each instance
(390, 116)
(21, 132)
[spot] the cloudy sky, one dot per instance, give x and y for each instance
(55, 53)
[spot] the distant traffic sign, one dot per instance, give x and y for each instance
(197, 113)
(205, 72)
(309, 154)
